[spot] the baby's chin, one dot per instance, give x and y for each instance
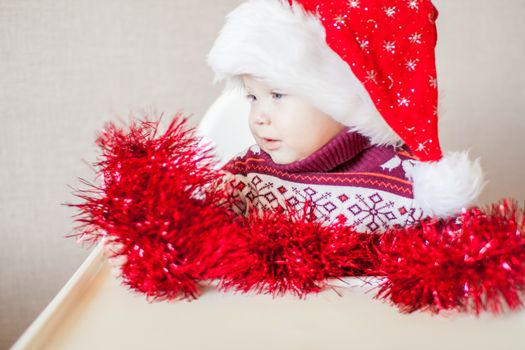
(283, 158)
(282, 155)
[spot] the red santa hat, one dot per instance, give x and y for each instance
(370, 64)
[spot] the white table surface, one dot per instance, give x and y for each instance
(96, 312)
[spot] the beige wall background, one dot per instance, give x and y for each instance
(66, 67)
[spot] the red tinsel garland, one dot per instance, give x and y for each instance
(163, 204)
(153, 203)
(278, 253)
(475, 261)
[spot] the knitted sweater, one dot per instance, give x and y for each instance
(346, 178)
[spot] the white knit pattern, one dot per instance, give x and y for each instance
(369, 210)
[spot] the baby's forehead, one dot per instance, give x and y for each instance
(249, 78)
(249, 81)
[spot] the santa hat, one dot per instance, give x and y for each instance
(370, 64)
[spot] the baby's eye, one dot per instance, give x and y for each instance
(251, 97)
(277, 95)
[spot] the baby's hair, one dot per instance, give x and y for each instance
(236, 83)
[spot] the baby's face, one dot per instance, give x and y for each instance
(285, 126)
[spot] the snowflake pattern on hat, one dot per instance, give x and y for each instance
(389, 46)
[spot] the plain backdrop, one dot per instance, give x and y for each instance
(66, 67)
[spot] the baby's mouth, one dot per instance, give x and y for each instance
(271, 144)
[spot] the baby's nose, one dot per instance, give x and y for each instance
(262, 118)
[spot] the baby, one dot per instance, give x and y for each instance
(304, 154)
(343, 110)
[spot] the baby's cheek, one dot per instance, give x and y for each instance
(298, 143)
(298, 131)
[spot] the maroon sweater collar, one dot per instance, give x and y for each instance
(343, 147)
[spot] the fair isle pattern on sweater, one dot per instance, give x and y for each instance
(347, 178)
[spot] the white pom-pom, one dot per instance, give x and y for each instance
(444, 188)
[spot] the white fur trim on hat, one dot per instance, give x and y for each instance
(285, 47)
(443, 188)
